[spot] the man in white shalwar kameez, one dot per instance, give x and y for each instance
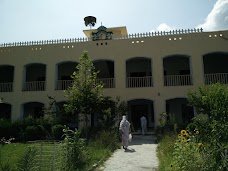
(124, 129)
(143, 124)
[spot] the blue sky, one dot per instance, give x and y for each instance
(27, 20)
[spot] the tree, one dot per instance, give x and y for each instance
(211, 102)
(84, 95)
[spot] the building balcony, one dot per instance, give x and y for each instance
(216, 78)
(34, 86)
(177, 80)
(6, 87)
(107, 82)
(63, 84)
(133, 82)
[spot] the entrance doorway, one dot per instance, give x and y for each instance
(137, 111)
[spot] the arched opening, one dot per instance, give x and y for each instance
(34, 109)
(136, 109)
(6, 78)
(35, 77)
(182, 112)
(64, 72)
(106, 73)
(176, 70)
(5, 111)
(215, 68)
(139, 72)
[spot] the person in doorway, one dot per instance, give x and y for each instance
(124, 129)
(143, 124)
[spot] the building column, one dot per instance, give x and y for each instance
(120, 73)
(157, 71)
(159, 107)
(19, 78)
(50, 77)
(16, 111)
(197, 69)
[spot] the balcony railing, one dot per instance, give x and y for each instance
(34, 86)
(139, 82)
(177, 80)
(63, 84)
(107, 82)
(216, 78)
(6, 87)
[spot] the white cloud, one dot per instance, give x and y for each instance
(217, 19)
(163, 27)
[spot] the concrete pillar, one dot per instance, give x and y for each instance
(16, 111)
(197, 69)
(120, 73)
(159, 107)
(50, 77)
(149, 123)
(157, 71)
(19, 78)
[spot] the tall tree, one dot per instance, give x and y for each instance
(84, 95)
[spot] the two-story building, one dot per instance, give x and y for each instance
(152, 72)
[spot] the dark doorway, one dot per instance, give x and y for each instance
(137, 111)
(187, 113)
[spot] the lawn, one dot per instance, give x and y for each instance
(11, 155)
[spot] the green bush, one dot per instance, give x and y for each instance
(107, 139)
(57, 131)
(27, 160)
(33, 133)
(187, 153)
(165, 152)
(5, 126)
(75, 151)
(211, 102)
(203, 146)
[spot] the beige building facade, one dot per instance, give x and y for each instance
(152, 72)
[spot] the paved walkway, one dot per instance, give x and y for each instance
(140, 156)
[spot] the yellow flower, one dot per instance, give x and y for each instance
(183, 139)
(200, 145)
(186, 135)
(183, 132)
(179, 136)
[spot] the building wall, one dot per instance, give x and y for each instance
(156, 48)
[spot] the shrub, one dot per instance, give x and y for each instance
(27, 160)
(186, 154)
(5, 126)
(107, 139)
(211, 102)
(33, 133)
(57, 131)
(74, 148)
(165, 151)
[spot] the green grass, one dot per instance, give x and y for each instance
(97, 155)
(10, 153)
(164, 152)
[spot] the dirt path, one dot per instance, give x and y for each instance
(140, 156)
